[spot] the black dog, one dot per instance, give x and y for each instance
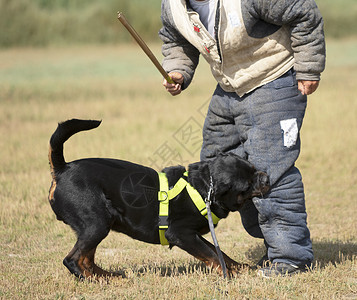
(96, 195)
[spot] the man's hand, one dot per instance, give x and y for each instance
(174, 89)
(307, 87)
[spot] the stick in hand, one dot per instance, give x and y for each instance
(143, 46)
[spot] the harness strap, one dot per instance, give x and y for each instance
(165, 195)
(163, 198)
(200, 204)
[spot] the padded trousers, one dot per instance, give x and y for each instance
(263, 126)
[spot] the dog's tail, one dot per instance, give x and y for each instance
(63, 132)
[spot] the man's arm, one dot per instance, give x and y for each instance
(180, 56)
(307, 35)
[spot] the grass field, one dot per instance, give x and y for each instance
(141, 123)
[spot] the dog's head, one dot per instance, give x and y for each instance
(235, 180)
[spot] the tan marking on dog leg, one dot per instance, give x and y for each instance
(233, 267)
(90, 265)
(211, 263)
(85, 272)
(54, 182)
(52, 168)
(52, 191)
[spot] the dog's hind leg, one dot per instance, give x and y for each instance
(80, 261)
(89, 264)
(71, 261)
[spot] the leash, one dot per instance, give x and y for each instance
(165, 195)
(211, 228)
(204, 207)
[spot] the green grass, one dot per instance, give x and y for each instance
(40, 87)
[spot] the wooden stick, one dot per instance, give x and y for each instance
(143, 46)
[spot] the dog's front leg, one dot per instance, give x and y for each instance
(192, 243)
(233, 267)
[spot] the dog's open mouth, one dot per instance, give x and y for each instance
(259, 187)
(261, 184)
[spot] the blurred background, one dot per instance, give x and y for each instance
(62, 22)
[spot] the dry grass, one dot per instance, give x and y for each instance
(38, 88)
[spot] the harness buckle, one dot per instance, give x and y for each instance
(163, 196)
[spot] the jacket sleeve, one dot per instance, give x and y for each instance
(179, 55)
(306, 27)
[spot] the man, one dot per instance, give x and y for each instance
(266, 56)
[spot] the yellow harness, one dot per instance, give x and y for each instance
(165, 195)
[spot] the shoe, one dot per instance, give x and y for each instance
(264, 261)
(281, 269)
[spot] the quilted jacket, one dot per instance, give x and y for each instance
(255, 41)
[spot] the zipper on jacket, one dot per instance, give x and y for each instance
(216, 25)
(198, 28)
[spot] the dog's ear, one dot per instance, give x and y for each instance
(231, 173)
(174, 174)
(199, 177)
(222, 182)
